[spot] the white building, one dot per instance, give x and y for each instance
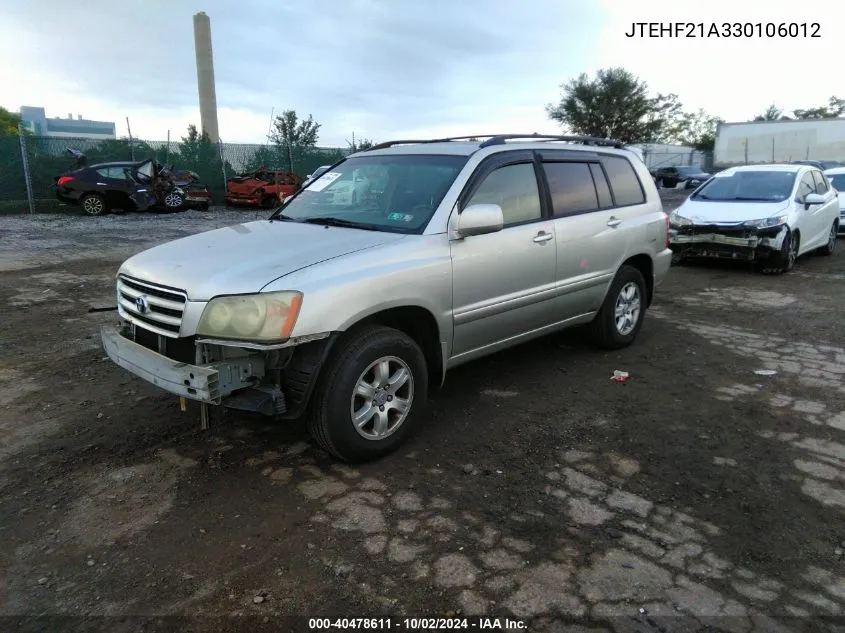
(35, 120)
(780, 141)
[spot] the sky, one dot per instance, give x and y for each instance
(387, 69)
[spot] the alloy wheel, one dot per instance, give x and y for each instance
(93, 205)
(627, 311)
(382, 398)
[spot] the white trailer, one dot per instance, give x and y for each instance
(779, 141)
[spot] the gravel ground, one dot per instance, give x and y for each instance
(698, 496)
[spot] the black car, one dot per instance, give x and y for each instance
(670, 177)
(819, 164)
(128, 186)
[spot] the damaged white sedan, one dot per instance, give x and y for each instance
(770, 214)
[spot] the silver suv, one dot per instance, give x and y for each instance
(392, 267)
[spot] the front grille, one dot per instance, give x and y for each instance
(163, 306)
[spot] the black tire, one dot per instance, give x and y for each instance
(830, 247)
(604, 329)
(267, 202)
(203, 206)
(666, 184)
(93, 204)
(784, 260)
(330, 422)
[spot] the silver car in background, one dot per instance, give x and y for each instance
(347, 314)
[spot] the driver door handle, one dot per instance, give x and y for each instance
(614, 222)
(542, 236)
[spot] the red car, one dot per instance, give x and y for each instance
(262, 188)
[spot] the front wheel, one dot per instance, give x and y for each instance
(784, 260)
(832, 238)
(367, 402)
(621, 316)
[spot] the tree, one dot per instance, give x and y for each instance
(834, 108)
(698, 130)
(667, 118)
(615, 104)
(293, 135)
(9, 122)
(196, 152)
(772, 113)
(359, 145)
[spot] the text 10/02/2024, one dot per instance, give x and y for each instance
(725, 29)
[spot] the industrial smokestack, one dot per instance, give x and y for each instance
(205, 76)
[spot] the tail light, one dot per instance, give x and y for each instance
(64, 180)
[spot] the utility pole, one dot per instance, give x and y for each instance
(131, 148)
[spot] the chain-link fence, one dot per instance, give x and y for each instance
(655, 159)
(32, 163)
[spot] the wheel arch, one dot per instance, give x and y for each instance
(645, 264)
(419, 324)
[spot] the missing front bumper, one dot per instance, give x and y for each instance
(750, 245)
(204, 383)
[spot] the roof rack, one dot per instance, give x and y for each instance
(387, 144)
(500, 139)
(584, 140)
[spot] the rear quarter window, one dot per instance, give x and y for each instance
(624, 183)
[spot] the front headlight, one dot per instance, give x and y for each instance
(767, 222)
(261, 317)
(678, 220)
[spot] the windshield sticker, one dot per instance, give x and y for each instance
(324, 181)
(400, 217)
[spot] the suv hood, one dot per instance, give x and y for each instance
(712, 212)
(244, 258)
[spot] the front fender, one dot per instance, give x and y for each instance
(337, 294)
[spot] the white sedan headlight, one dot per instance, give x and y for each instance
(678, 220)
(261, 317)
(768, 222)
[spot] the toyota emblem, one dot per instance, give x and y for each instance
(142, 304)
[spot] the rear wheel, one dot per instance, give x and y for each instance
(369, 395)
(93, 204)
(621, 316)
(174, 200)
(828, 248)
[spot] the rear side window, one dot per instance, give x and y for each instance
(624, 183)
(112, 172)
(571, 187)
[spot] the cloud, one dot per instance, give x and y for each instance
(391, 69)
(376, 67)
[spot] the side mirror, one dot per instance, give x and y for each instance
(479, 219)
(812, 199)
(309, 176)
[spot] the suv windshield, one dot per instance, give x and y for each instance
(395, 193)
(838, 181)
(761, 186)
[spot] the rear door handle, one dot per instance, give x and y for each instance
(543, 237)
(614, 222)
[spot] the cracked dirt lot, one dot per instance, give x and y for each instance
(699, 496)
